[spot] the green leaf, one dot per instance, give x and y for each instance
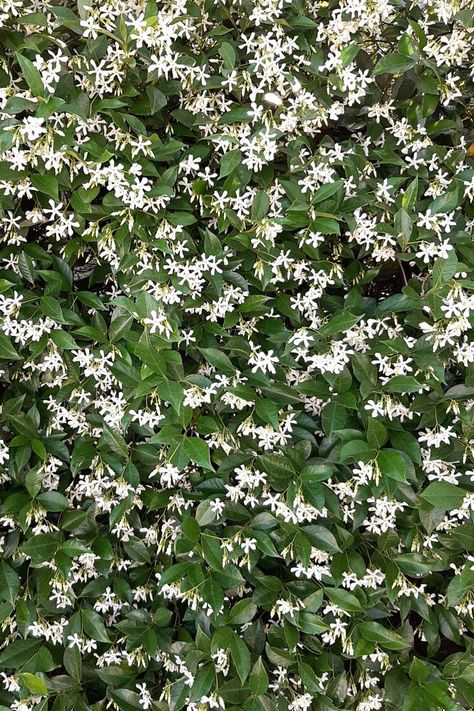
(404, 227)
(125, 699)
(357, 450)
(348, 54)
(242, 612)
(34, 684)
(7, 351)
(197, 450)
(302, 23)
(73, 662)
(376, 433)
(447, 202)
(40, 548)
(436, 693)
(229, 162)
(268, 411)
(402, 384)
(340, 323)
(50, 307)
(240, 656)
(26, 267)
(9, 583)
(309, 678)
(321, 538)
(112, 440)
(212, 552)
(314, 471)
(254, 304)
(90, 299)
(419, 670)
(333, 417)
(218, 359)
(82, 455)
(343, 599)
(227, 53)
(410, 195)
(326, 191)
(214, 594)
(93, 626)
(74, 547)
(46, 184)
(172, 392)
(260, 206)
(408, 443)
(445, 269)
(258, 681)
(203, 682)
(53, 501)
(31, 75)
(19, 652)
(393, 63)
(173, 573)
(392, 464)
(443, 495)
(236, 115)
(115, 675)
(63, 339)
(375, 632)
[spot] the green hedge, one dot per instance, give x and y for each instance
(236, 355)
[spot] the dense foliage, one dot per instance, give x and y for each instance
(237, 363)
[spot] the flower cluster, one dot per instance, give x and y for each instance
(237, 355)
